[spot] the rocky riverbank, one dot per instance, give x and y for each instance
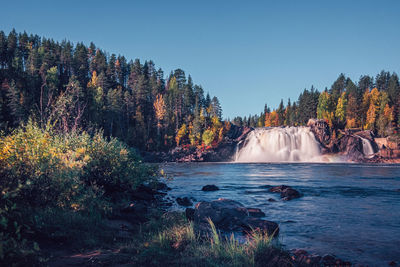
(224, 152)
(153, 235)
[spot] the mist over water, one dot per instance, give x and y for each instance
(289, 144)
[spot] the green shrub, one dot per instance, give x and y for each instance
(65, 182)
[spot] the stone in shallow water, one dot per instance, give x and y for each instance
(287, 193)
(210, 187)
(254, 212)
(270, 228)
(229, 216)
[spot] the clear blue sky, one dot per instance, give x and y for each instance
(247, 53)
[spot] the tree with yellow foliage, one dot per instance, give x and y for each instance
(351, 112)
(373, 109)
(267, 119)
(181, 133)
(341, 106)
(160, 110)
(386, 116)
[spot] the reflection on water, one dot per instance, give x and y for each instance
(350, 210)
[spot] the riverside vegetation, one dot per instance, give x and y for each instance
(59, 189)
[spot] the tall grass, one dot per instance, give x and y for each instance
(179, 244)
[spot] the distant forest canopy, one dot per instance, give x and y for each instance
(72, 87)
(372, 104)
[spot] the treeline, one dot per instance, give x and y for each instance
(70, 87)
(372, 104)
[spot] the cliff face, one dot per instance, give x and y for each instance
(321, 131)
(349, 143)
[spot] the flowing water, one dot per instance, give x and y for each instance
(367, 147)
(349, 210)
(278, 144)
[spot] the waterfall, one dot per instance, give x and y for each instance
(289, 144)
(368, 151)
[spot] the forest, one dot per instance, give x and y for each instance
(77, 87)
(71, 87)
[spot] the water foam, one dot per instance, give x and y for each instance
(278, 144)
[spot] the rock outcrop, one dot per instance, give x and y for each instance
(321, 131)
(349, 143)
(228, 216)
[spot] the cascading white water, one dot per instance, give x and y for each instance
(368, 151)
(289, 144)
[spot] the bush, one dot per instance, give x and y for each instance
(44, 175)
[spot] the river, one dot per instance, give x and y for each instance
(349, 210)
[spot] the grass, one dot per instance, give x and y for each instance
(171, 240)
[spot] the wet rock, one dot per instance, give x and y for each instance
(210, 187)
(287, 193)
(254, 212)
(271, 228)
(226, 214)
(278, 189)
(303, 258)
(189, 212)
(328, 260)
(229, 216)
(350, 146)
(184, 201)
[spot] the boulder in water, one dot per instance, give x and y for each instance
(287, 193)
(229, 216)
(210, 187)
(254, 212)
(226, 214)
(278, 189)
(268, 227)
